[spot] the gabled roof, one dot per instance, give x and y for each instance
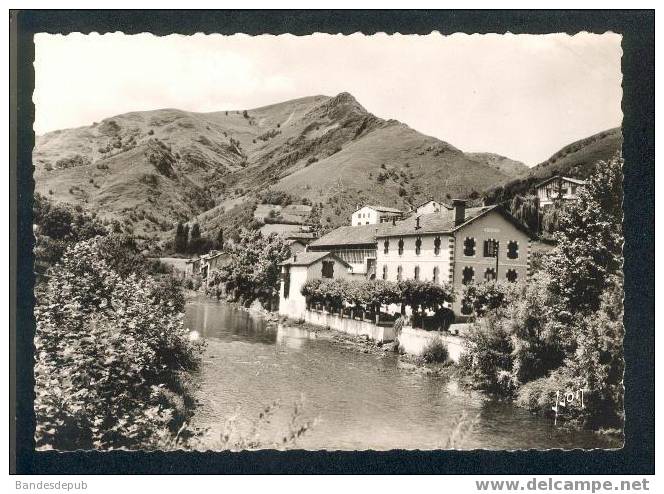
(349, 236)
(441, 222)
(444, 222)
(433, 200)
(558, 177)
(382, 209)
(308, 258)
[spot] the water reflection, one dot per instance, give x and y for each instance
(363, 401)
(294, 337)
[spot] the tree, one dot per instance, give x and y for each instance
(563, 331)
(220, 239)
(253, 270)
(197, 244)
(110, 351)
(185, 237)
(589, 241)
(180, 242)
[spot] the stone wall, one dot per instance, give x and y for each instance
(413, 341)
(354, 327)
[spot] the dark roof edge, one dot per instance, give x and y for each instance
(505, 214)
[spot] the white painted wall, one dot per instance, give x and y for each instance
(365, 216)
(351, 326)
(430, 207)
(295, 305)
(413, 341)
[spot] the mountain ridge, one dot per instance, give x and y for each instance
(147, 170)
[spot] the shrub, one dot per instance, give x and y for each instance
(490, 296)
(110, 357)
(72, 161)
(487, 358)
(435, 352)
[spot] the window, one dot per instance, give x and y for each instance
(416, 274)
(386, 246)
(512, 249)
(490, 274)
(328, 269)
(399, 273)
(468, 274)
(511, 275)
(436, 246)
(367, 223)
(469, 246)
(384, 271)
(418, 246)
(490, 248)
(436, 274)
(401, 246)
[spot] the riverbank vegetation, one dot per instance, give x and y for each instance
(252, 270)
(562, 332)
(112, 356)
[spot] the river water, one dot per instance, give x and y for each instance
(358, 401)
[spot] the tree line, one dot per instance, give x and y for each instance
(191, 241)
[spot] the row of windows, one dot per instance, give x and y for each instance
(416, 273)
(491, 248)
(468, 275)
(418, 246)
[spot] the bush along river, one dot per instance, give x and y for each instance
(354, 400)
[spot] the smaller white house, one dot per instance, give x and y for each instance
(372, 215)
(305, 266)
(431, 206)
(558, 188)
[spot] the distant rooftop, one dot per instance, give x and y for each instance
(350, 236)
(432, 200)
(382, 209)
(558, 177)
(308, 258)
(441, 222)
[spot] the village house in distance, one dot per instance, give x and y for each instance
(458, 245)
(558, 188)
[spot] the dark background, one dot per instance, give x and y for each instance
(638, 65)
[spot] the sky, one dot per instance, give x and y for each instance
(521, 96)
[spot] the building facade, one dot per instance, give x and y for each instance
(458, 247)
(302, 267)
(356, 245)
(558, 189)
(372, 215)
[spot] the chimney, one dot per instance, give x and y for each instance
(417, 223)
(459, 206)
(294, 257)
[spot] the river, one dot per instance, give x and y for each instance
(359, 401)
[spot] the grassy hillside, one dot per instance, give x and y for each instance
(508, 166)
(148, 170)
(574, 160)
